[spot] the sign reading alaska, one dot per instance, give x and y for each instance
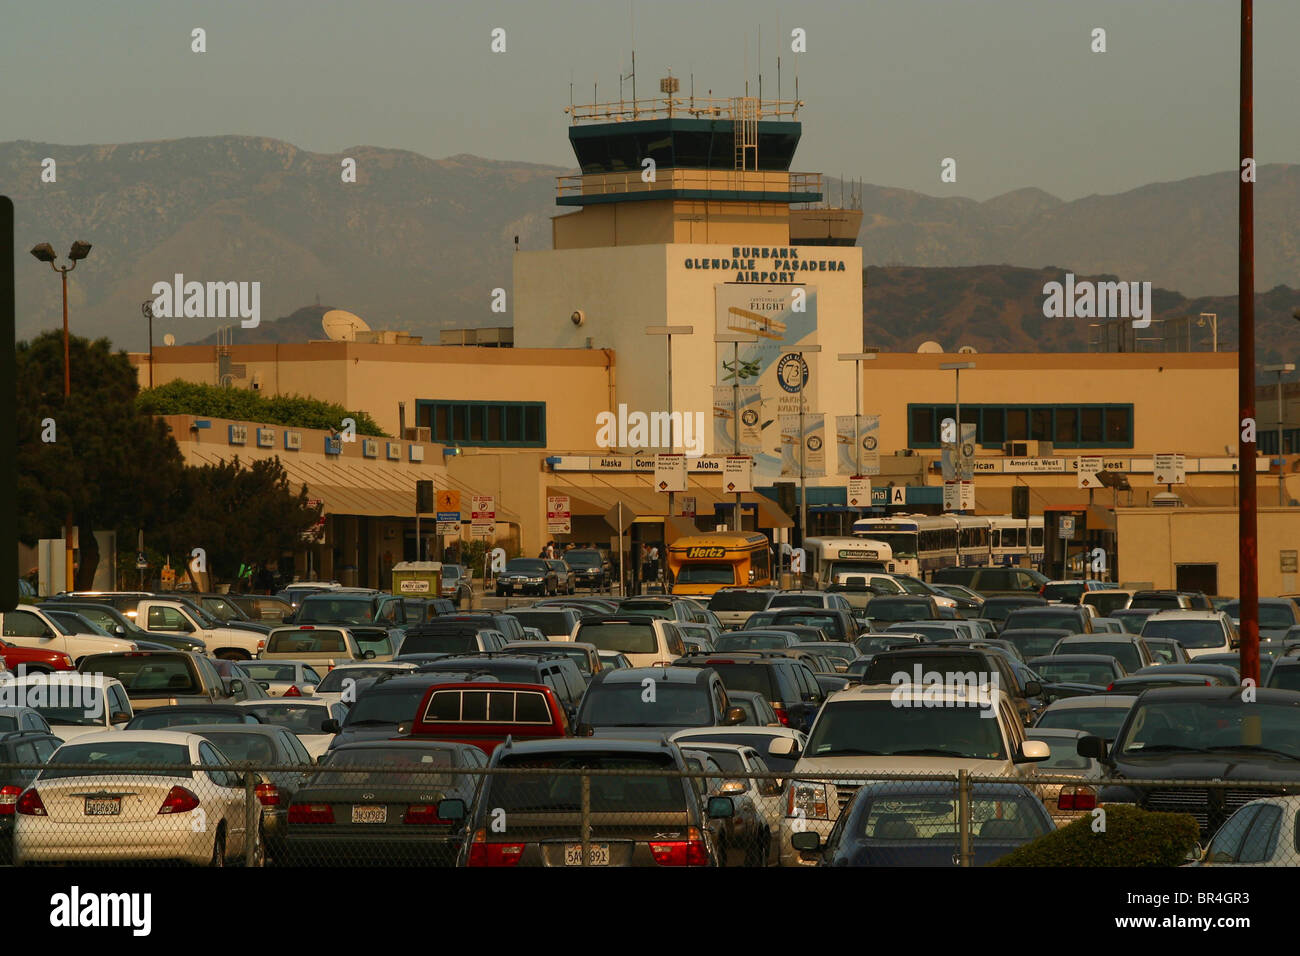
(779, 319)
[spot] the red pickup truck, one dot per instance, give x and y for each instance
(486, 714)
(34, 660)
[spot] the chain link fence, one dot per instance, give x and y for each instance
(420, 813)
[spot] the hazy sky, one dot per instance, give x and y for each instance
(1009, 88)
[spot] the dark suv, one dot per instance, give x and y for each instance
(19, 746)
(556, 671)
(648, 819)
(1203, 733)
(789, 684)
(654, 701)
(587, 568)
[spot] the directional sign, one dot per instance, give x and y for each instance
(898, 495)
(737, 474)
(558, 515)
(959, 496)
(1089, 468)
(483, 516)
(670, 473)
(859, 492)
(1169, 469)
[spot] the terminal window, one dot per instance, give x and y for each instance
(488, 424)
(1066, 426)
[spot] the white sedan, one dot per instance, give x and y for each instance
(168, 812)
(1261, 833)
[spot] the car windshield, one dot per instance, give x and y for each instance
(608, 793)
(148, 673)
(336, 681)
(455, 642)
(1132, 621)
(298, 718)
(550, 623)
(1123, 651)
(1188, 633)
(161, 759)
(336, 610)
(626, 636)
(1284, 678)
(1002, 818)
(1162, 602)
(450, 572)
(309, 641)
(413, 767)
(270, 670)
(739, 601)
(1076, 672)
(1044, 617)
(891, 610)
(830, 623)
(222, 609)
(1105, 603)
(624, 705)
(237, 747)
(390, 707)
(903, 543)
(1208, 725)
(583, 559)
(1064, 592)
(797, 600)
(706, 572)
(882, 728)
(1270, 615)
(1064, 755)
(1098, 721)
(744, 640)
(162, 719)
(913, 586)
(1032, 644)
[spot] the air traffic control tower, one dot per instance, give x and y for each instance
(686, 212)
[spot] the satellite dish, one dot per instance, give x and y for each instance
(341, 326)
(930, 348)
(967, 350)
(169, 339)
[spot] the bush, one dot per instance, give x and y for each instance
(295, 411)
(1133, 837)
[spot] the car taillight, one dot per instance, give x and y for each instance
(268, 794)
(9, 797)
(179, 800)
(482, 853)
(293, 691)
(1110, 686)
(425, 813)
(1076, 798)
(311, 813)
(781, 715)
(30, 805)
(689, 852)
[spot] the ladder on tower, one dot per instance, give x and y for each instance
(744, 112)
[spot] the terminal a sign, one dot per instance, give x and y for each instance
(765, 264)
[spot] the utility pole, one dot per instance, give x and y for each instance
(1247, 529)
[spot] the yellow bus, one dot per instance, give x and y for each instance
(704, 563)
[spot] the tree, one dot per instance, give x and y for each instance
(107, 464)
(241, 515)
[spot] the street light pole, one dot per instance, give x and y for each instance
(45, 253)
(956, 368)
(668, 331)
(857, 358)
(803, 483)
(1281, 476)
(147, 309)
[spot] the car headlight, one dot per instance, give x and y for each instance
(807, 799)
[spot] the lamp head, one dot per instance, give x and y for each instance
(79, 250)
(44, 252)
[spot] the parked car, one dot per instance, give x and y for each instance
(311, 721)
(991, 582)
(376, 621)
(619, 703)
(344, 817)
(117, 624)
(1201, 733)
(342, 684)
(733, 606)
(1035, 641)
(889, 608)
(163, 678)
(1129, 650)
(1277, 615)
(647, 641)
(527, 576)
(749, 836)
(586, 656)
(185, 715)
(1170, 600)
(917, 823)
(1066, 802)
(588, 568)
(263, 607)
(456, 586)
(1111, 599)
(284, 678)
(32, 660)
(652, 820)
(1072, 618)
(1259, 833)
(864, 730)
(557, 623)
(324, 647)
(1132, 618)
(564, 579)
(1072, 591)
(997, 607)
(73, 705)
(1094, 670)
(391, 700)
(21, 742)
(555, 671)
(98, 816)
(28, 626)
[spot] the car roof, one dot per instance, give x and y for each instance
(887, 691)
(634, 675)
(1224, 695)
(1094, 700)
(584, 745)
(1186, 614)
(1102, 638)
(1073, 659)
(747, 729)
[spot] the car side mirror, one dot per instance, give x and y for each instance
(264, 684)
(735, 715)
(368, 655)
(404, 728)
(807, 841)
(721, 808)
(1032, 751)
(119, 630)
(1094, 747)
(451, 809)
(331, 726)
(783, 747)
(1033, 688)
(235, 686)
(119, 717)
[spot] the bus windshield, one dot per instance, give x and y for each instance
(694, 573)
(902, 543)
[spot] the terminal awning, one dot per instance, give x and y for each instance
(645, 503)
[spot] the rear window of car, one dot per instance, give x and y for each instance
(758, 677)
(488, 706)
(883, 667)
(1063, 592)
(741, 640)
(609, 793)
(797, 600)
(297, 718)
(625, 636)
(159, 720)
(170, 675)
(164, 760)
(1124, 652)
(583, 559)
(312, 641)
(238, 747)
(1045, 617)
(739, 600)
(331, 609)
(891, 609)
(1032, 644)
(421, 768)
(455, 642)
(549, 623)
(829, 623)
(1161, 601)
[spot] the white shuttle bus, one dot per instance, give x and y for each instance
(833, 560)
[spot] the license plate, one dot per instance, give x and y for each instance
(103, 806)
(597, 854)
(369, 814)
